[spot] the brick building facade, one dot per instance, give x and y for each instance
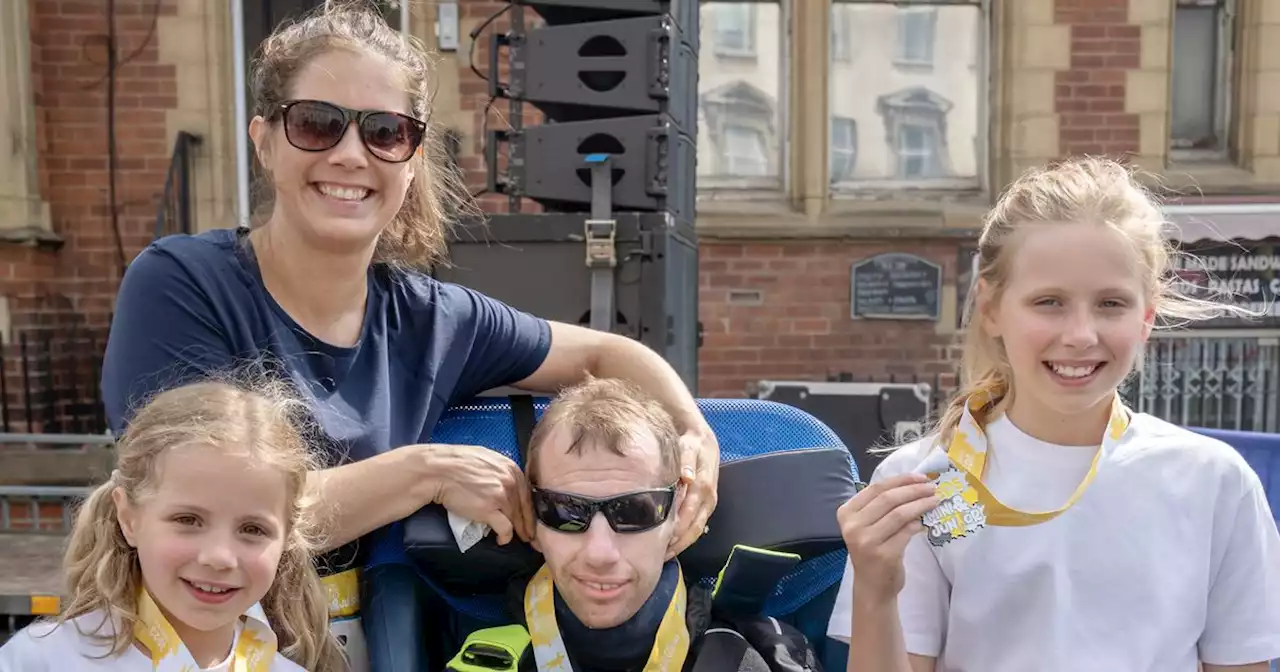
(790, 198)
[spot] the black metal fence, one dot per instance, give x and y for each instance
(49, 382)
(176, 214)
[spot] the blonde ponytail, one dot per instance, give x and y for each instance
(101, 569)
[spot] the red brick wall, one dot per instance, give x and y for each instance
(67, 293)
(800, 328)
(1090, 95)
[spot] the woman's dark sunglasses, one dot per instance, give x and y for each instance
(627, 513)
(317, 126)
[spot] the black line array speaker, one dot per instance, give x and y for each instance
(535, 262)
(613, 164)
(616, 77)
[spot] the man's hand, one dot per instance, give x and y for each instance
(700, 474)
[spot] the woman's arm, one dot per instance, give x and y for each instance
(478, 483)
(576, 351)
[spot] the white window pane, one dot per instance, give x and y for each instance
(916, 36)
(1195, 94)
(745, 150)
(734, 29)
(844, 148)
(918, 151)
(914, 76)
(740, 131)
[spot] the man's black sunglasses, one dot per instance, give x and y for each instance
(317, 126)
(627, 513)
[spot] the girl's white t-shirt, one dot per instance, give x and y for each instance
(45, 647)
(1170, 557)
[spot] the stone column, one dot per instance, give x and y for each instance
(1036, 49)
(810, 70)
(21, 207)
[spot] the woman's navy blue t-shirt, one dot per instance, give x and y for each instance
(193, 305)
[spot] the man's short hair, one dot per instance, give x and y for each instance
(611, 414)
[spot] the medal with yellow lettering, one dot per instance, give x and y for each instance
(254, 650)
(670, 646)
(967, 505)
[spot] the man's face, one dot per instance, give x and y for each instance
(603, 576)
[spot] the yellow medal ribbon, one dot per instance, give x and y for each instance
(971, 503)
(670, 646)
(254, 650)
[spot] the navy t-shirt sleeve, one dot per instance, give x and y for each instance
(164, 331)
(507, 345)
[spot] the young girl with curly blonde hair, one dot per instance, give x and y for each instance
(195, 555)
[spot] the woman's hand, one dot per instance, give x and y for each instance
(700, 474)
(485, 486)
(876, 525)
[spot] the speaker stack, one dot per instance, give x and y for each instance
(613, 167)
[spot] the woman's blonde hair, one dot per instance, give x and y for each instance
(1089, 190)
(261, 421)
(416, 237)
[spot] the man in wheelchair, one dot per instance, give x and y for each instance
(603, 469)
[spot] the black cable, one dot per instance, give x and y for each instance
(484, 142)
(114, 63)
(146, 41)
(475, 33)
(112, 154)
(484, 113)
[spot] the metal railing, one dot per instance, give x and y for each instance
(23, 508)
(175, 213)
(1209, 381)
(49, 382)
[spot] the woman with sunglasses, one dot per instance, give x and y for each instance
(329, 286)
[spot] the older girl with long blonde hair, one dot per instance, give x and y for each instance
(196, 553)
(1044, 525)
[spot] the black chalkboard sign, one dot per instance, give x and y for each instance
(896, 286)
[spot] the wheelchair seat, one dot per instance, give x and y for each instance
(783, 473)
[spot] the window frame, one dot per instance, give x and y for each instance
(754, 140)
(851, 150)
(749, 48)
(1225, 84)
(713, 188)
(929, 153)
(922, 17)
(980, 181)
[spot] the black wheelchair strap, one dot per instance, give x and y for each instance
(524, 417)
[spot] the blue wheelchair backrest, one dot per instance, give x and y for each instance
(745, 428)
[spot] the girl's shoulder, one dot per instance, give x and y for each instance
(69, 646)
(1160, 446)
(1154, 438)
